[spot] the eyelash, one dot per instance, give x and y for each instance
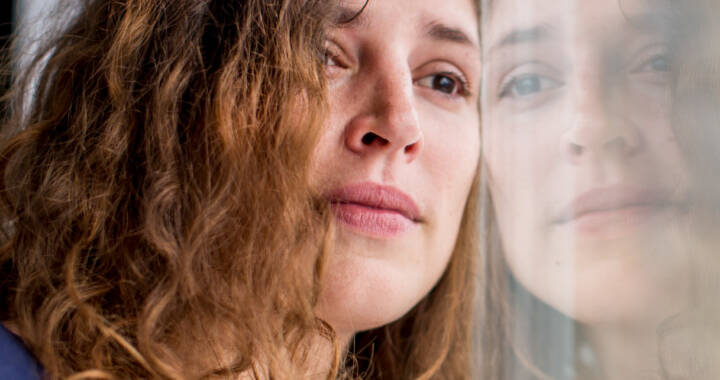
(462, 87)
(333, 52)
(506, 88)
(653, 59)
(329, 54)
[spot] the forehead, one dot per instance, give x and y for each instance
(383, 15)
(531, 20)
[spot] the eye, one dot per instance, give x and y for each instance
(330, 59)
(526, 85)
(333, 57)
(654, 69)
(446, 82)
(658, 63)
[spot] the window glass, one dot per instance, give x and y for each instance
(600, 133)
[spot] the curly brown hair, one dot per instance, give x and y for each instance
(157, 183)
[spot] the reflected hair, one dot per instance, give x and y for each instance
(520, 337)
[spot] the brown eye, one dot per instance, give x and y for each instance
(446, 83)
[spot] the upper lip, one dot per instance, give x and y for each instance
(377, 196)
(614, 198)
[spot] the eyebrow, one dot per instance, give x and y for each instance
(441, 32)
(355, 18)
(519, 36)
(348, 17)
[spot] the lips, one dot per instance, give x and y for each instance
(377, 210)
(615, 204)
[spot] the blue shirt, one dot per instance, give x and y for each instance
(16, 362)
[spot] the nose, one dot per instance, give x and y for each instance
(388, 123)
(599, 128)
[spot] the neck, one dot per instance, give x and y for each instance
(320, 361)
(323, 354)
(626, 352)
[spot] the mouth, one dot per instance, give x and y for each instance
(375, 210)
(616, 207)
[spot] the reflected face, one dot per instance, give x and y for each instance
(399, 154)
(586, 178)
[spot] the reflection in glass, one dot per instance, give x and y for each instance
(600, 126)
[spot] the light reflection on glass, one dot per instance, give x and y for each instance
(600, 133)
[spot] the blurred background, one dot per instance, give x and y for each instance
(7, 12)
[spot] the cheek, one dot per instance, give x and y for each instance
(521, 160)
(328, 154)
(518, 162)
(449, 165)
(451, 155)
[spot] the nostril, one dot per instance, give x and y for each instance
(370, 137)
(576, 149)
(411, 148)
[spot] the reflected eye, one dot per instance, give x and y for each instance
(659, 63)
(654, 70)
(446, 83)
(527, 84)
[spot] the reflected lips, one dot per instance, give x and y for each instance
(377, 210)
(617, 205)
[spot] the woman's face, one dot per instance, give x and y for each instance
(585, 175)
(399, 153)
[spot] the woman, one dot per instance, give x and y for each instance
(259, 189)
(590, 192)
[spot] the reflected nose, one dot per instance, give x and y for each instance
(389, 123)
(596, 130)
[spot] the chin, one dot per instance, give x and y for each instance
(360, 293)
(632, 302)
(352, 305)
(621, 281)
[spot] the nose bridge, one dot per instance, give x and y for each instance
(597, 124)
(591, 123)
(394, 104)
(386, 120)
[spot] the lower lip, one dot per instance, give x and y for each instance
(617, 221)
(372, 221)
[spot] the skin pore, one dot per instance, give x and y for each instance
(587, 180)
(399, 154)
